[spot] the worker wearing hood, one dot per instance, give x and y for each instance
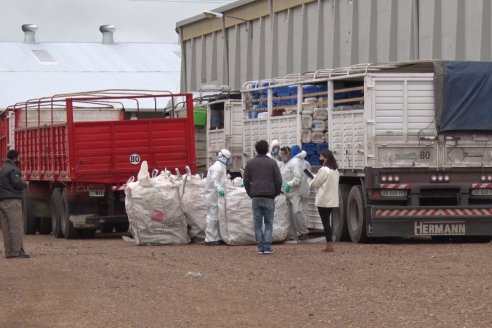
(214, 187)
(292, 175)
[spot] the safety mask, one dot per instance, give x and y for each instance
(275, 151)
(229, 162)
(285, 159)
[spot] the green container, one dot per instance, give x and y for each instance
(200, 116)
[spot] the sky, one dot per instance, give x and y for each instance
(79, 20)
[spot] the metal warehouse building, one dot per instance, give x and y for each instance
(257, 39)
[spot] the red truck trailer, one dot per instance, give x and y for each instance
(77, 151)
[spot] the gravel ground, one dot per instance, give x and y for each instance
(107, 282)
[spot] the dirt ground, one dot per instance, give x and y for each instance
(108, 282)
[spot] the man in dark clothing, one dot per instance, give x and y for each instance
(11, 186)
(263, 182)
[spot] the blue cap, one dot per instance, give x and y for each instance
(295, 150)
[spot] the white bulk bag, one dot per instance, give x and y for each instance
(306, 121)
(154, 211)
(318, 137)
(320, 114)
(306, 136)
(236, 218)
(194, 206)
(281, 222)
(318, 126)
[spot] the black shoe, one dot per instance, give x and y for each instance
(212, 243)
(23, 255)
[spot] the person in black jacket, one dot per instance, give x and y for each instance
(11, 186)
(263, 182)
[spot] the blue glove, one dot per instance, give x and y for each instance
(286, 187)
(221, 192)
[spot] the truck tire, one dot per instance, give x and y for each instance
(30, 222)
(69, 232)
(339, 215)
(122, 227)
(356, 215)
(107, 227)
(44, 226)
(56, 213)
(87, 233)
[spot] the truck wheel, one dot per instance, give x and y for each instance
(87, 233)
(30, 222)
(44, 226)
(67, 227)
(107, 227)
(122, 227)
(339, 215)
(356, 215)
(56, 209)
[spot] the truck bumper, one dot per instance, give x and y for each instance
(387, 221)
(93, 221)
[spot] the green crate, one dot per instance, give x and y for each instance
(200, 116)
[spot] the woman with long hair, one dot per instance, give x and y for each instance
(327, 195)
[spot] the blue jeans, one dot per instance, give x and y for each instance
(263, 212)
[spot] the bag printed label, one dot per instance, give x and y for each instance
(157, 216)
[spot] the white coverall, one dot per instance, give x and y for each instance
(305, 189)
(217, 173)
(292, 174)
(269, 154)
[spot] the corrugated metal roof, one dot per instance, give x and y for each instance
(55, 68)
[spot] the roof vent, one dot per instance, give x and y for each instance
(29, 32)
(107, 32)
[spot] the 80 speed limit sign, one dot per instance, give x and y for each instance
(134, 159)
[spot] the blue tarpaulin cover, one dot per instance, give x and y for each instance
(463, 96)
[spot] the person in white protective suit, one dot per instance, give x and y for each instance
(214, 188)
(292, 175)
(275, 152)
(301, 157)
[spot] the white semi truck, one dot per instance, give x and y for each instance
(413, 142)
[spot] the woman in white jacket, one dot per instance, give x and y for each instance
(327, 195)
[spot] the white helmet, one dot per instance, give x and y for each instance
(224, 156)
(274, 143)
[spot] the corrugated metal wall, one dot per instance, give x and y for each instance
(334, 33)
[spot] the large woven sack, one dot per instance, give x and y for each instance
(154, 211)
(194, 206)
(236, 218)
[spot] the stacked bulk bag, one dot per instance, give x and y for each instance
(316, 135)
(154, 210)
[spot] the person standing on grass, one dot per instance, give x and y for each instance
(11, 187)
(327, 195)
(263, 182)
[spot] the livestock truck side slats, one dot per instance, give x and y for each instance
(102, 150)
(408, 137)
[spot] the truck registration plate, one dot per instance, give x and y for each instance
(96, 193)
